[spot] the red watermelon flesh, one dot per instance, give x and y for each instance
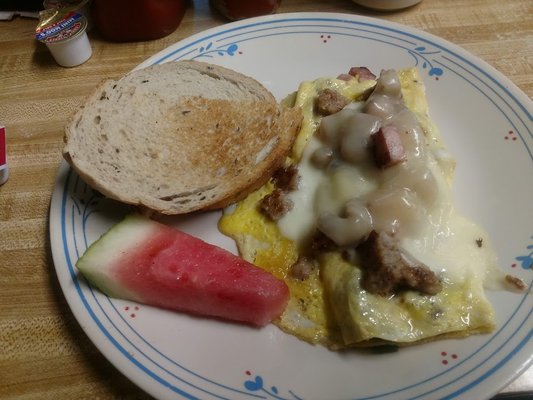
(145, 261)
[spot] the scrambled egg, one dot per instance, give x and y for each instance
(330, 307)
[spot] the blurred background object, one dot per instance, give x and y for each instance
(9, 9)
(24, 5)
(132, 20)
(82, 7)
(387, 5)
(239, 9)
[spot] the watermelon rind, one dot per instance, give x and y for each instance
(97, 261)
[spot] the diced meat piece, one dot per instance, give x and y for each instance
(276, 204)
(303, 268)
(388, 147)
(515, 282)
(321, 243)
(387, 269)
(330, 102)
(345, 77)
(287, 178)
(363, 73)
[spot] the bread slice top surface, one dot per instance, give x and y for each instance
(179, 137)
(194, 78)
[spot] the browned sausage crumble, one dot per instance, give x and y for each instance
(286, 178)
(330, 102)
(303, 267)
(515, 282)
(276, 204)
(387, 269)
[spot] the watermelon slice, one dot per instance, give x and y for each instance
(145, 261)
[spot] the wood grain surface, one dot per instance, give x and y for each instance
(44, 354)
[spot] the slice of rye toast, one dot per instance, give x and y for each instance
(180, 137)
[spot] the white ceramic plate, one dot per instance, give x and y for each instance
(487, 124)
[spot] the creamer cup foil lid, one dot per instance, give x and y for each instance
(63, 30)
(59, 24)
(82, 7)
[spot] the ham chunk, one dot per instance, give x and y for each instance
(363, 73)
(345, 77)
(388, 147)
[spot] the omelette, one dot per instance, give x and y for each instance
(373, 184)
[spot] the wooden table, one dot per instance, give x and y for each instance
(43, 351)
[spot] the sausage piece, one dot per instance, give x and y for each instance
(330, 102)
(286, 178)
(515, 282)
(276, 204)
(387, 269)
(303, 268)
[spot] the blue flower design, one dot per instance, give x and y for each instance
(210, 51)
(257, 385)
(86, 200)
(420, 54)
(526, 262)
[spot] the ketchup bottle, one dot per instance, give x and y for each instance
(135, 20)
(239, 9)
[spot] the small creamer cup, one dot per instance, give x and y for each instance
(67, 39)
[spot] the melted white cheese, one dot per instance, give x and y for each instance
(412, 199)
(299, 224)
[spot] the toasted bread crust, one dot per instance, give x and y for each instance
(179, 137)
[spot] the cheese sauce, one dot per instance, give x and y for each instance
(345, 195)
